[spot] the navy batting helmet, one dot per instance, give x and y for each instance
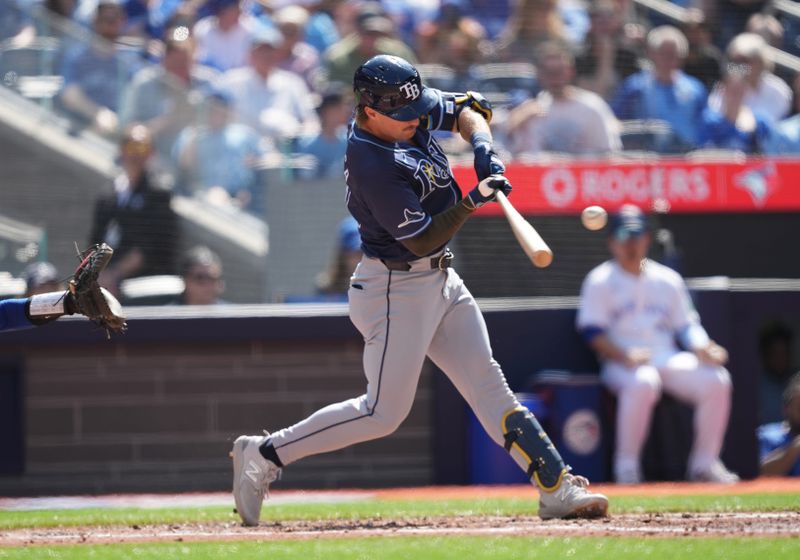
(392, 86)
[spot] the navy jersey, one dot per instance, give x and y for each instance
(393, 188)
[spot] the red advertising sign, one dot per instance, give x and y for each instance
(752, 185)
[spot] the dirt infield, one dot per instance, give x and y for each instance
(740, 524)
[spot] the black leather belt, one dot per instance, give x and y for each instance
(442, 262)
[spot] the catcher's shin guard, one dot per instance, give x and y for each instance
(523, 433)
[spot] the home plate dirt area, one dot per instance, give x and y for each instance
(679, 525)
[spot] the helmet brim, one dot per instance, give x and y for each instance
(417, 109)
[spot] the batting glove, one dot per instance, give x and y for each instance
(487, 162)
(486, 190)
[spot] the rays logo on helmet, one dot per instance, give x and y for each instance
(410, 90)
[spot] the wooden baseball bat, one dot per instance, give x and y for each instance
(528, 238)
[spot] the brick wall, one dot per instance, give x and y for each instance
(162, 417)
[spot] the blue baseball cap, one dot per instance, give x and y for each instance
(629, 221)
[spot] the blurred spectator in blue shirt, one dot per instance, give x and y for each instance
(766, 94)
(96, 74)
(16, 23)
(329, 146)
(665, 93)
(335, 281)
(321, 30)
(779, 442)
(782, 138)
(733, 125)
(218, 158)
(160, 95)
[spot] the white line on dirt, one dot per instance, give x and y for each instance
(155, 501)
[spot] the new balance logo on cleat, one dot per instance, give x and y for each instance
(252, 471)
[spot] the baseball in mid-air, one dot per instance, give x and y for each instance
(594, 217)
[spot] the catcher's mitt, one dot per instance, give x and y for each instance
(88, 298)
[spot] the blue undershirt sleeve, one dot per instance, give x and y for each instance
(589, 333)
(12, 314)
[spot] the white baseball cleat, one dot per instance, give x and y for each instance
(252, 475)
(717, 473)
(571, 500)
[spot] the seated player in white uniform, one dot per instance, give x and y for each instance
(632, 311)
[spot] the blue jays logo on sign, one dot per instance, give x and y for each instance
(430, 176)
(410, 90)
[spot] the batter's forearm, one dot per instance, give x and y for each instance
(442, 228)
(781, 461)
(470, 122)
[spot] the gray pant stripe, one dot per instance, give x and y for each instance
(380, 376)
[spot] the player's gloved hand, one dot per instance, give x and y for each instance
(486, 160)
(85, 296)
(486, 190)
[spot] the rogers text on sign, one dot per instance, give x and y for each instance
(563, 187)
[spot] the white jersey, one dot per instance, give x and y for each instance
(644, 311)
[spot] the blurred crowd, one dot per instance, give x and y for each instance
(204, 97)
(225, 87)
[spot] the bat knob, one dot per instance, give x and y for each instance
(542, 259)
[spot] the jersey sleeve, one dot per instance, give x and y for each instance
(389, 197)
(593, 312)
(682, 312)
(444, 114)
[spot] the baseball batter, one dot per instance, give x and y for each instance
(407, 300)
(632, 309)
